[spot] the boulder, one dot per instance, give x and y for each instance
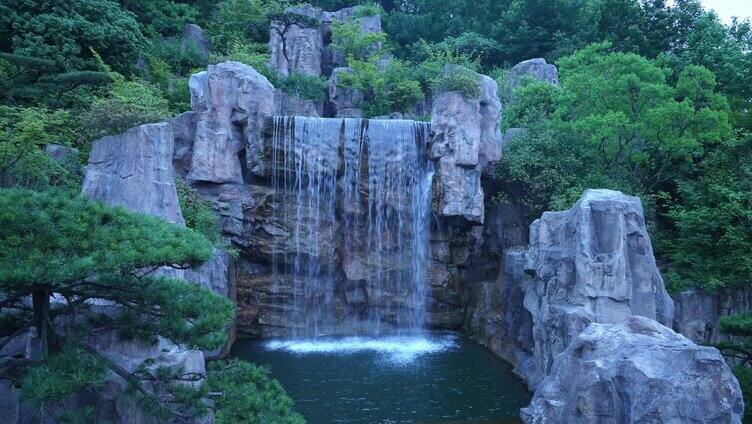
(134, 169)
(465, 139)
(535, 68)
(343, 102)
(636, 371)
(194, 37)
(232, 103)
(591, 263)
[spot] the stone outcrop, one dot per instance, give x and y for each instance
(306, 49)
(636, 371)
(289, 104)
(697, 312)
(232, 103)
(194, 37)
(465, 138)
(134, 169)
(297, 48)
(591, 263)
(536, 68)
(342, 102)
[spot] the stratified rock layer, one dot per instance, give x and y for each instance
(637, 371)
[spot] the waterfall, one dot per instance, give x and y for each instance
(355, 195)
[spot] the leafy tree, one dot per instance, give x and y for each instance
(65, 31)
(72, 269)
(129, 104)
(160, 17)
(348, 38)
(711, 234)
(616, 113)
(241, 22)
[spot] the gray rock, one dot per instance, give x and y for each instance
(193, 36)
(591, 263)
(637, 371)
(184, 129)
(134, 169)
(232, 103)
(287, 104)
(536, 68)
(60, 153)
(343, 101)
(697, 312)
(296, 49)
(465, 139)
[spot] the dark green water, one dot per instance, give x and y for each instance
(438, 378)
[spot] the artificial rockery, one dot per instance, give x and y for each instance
(374, 226)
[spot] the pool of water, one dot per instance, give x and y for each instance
(436, 378)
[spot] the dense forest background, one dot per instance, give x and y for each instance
(655, 98)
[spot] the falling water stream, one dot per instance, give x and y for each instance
(362, 186)
(356, 204)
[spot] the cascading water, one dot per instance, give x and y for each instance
(356, 197)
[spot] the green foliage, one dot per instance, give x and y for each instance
(130, 103)
(458, 78)
(178, 59)
(384, 90)
(253, 55)
(711, 236)
(24, 132)
(160, 17)
(368, 9)
(238, 22)
(71, 248)
(63, 32)
(250, 395)
(62, 374)
(348, 38)
(198, 213)
(744, 375)
(617, 113)
(305, 86)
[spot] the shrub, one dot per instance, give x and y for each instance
(250, 395)
(368, 9)
(458, 78)
(306, 86)
(254, 55)
(179, 59)
(24, 132)
(130, 104)
(198, 213)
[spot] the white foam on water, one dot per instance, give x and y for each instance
(400, 349)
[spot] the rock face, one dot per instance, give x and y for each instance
(232, 103)
(536, 68)
(295, 48)
(193, 36)
(697, 313)
(637, 371)
(465, 138)
(307, 50)
(591, 263)
(343, 102)
(134, 170)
